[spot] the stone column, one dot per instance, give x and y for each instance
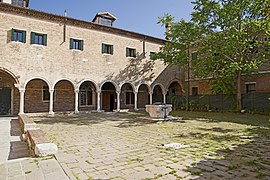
(76, 101)
(98, 101)
(135, 101)
(21, 101)
(164, 98)
(118, 100)
(51, 102)
(151, 97)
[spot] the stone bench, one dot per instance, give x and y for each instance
(26, 123)
(36, 138)
(39, 143)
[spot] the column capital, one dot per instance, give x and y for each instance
(51, 90)
(76, 91)
(22, 90)
(118, 92)
(99, 91)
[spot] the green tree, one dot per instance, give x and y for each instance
(182, 37)
(235, 43)
(230, 37)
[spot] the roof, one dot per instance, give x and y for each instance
(7, 8)
(105, 14)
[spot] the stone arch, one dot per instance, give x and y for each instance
(64, 96)
(160, 85)
(64, 79)
(87, 80)
(87, 95)
(14, 77)
(127, 96)
(109, 81)
(180, 89)
(128, 82)
(147, 85)
(143, 95)
(108, 91)
(9, 93)
(174, 94)
(36, 78)
(157, 93)
(37, 95)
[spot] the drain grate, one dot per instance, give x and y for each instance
(175, 145)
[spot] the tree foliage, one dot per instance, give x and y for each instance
(232, 39)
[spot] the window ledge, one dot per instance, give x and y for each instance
(17, 42)
(38, 45)
(76, 50)
(106, 54)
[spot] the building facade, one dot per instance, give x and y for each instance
(51, 63)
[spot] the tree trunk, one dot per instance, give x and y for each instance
(238, 92)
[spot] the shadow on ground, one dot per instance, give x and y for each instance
(250, 160)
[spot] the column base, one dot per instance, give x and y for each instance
(51, 113)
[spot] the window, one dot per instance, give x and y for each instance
(151, 55)
(18, 35)
(130, 52)
(173, 92)
(76, 44)
(129, 97)
(250, 87)
(107, 49)
(105, 21)
(194, 91)
(86, 95)
(18, 3)
(45, 93)
(37, 38)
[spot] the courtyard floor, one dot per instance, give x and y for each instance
(122, 146)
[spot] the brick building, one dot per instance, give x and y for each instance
(51, 63)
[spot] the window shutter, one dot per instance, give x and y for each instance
(111, 49)
(32, 38)
(24, 36)
(135, 54)
(127, 52)
(45, 39)
(12, 34)
(81, 44)
(71, 43)
(103, 48)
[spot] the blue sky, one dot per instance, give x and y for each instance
(138, 15)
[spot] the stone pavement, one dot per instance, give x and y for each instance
(15, 160)
(120, 146)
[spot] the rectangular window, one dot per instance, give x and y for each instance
(37, 38)
(17, 3)
(130, 52)
(151, 55)
(45, 93)
(251, 87)
(18, 35)
(76, 44)
(194, 91)
(107, 49)
(129, 98)
(105, 21)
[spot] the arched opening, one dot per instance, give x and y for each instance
(64, 97)
(37, 96)
(174, 95)
(143, 96)
(9, 95)
(109, 97)
(127, 97)
(157, 94)
(87, 96)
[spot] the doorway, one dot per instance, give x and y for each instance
(5, 101)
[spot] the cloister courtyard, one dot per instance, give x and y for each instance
(124, 146)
